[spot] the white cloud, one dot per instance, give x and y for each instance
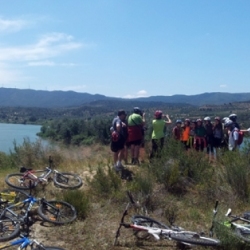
(141, 93)
(41, 63)
(49, 46)
(49, 64)
(12, 25)
(223, 86)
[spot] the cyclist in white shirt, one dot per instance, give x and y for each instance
(233, 135)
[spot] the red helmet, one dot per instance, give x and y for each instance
(158, 114)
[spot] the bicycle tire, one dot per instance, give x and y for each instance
(148, 222)
(9, 229)
(57, 212)
(48, 248)
(19, 182)
(13, 196)
(243, 234)
(194, 239)
(67, 180)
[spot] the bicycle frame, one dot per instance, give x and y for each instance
(22, 242)
(238, 218)
(157, 233)
(31, 174)
(9, 209)
(30, 200)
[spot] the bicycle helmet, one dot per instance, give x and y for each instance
(137, 110)
(199, 120)
(233, 117)
(207, 118)
(188, 121)
(178, 121)
(228, 123)
(158, 114)
(224, 119)
(217, 118)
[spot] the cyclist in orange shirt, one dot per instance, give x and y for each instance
(185, 134)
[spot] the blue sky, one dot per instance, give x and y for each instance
(126, 48)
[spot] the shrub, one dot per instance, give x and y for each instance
(80, 200)
(237, 173)
(105, 182)
(33, 154)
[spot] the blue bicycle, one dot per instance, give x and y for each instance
(17, 215)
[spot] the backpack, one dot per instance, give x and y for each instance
(241, 136)
(114, 136)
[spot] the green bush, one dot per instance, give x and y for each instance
(105, 182)
(237, 173)
(80, 200)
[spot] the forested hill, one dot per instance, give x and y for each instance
(10, 97)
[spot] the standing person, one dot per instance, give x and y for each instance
(233, 118)
(118, 139)
(218, 132)
(177, 130)
(233, 135)
(209, 135)
(200, 136)
(136, 122)
(158, 133)
(185, 134)
(190, 142)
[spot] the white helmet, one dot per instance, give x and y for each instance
(207, 118)
(228, 122)
(224, 119)
(233, 117)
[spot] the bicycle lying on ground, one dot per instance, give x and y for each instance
(24, 241)
(15, 215)
(63, 180)
(242, 229)
(143, 227)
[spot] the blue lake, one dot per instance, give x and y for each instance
(16, 132)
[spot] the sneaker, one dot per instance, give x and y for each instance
(120, 166)
(117, 168)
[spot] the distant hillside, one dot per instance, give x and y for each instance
(46, 99)
(57, 99)
(215, 98)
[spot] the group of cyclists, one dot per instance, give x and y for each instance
(200, 134)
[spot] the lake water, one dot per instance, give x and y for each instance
(16, 132)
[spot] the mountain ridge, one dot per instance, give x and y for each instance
(12, 97)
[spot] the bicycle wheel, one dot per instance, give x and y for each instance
(194, 239)
(9, 229)
(148, 222)
(48, 248)
(67, 180)
(13, 195)
(243, 234)
(57, 212)
(18, 181)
